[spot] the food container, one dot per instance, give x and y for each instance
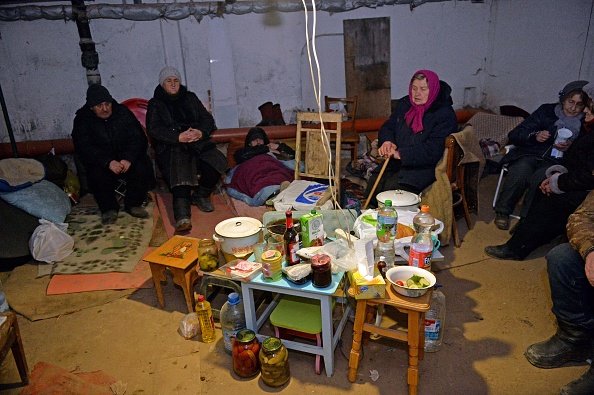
(272, 265)
(208, 255)
(403, 273)
(274, 362)
(237, 236)
(242, 270)
(245, 353)
(400, 199)
(321, 268)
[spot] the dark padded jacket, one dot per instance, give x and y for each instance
(97, 141)
(420, 152)
(579, 161)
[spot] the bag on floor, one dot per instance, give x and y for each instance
(50, 242)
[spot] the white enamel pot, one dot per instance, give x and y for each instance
(238, 235)
(400, 199)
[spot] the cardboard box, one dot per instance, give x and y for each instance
(367, 289)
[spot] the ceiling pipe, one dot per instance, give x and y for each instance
(89, 57)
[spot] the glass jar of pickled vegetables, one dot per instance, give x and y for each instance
(274, 362)
(245, 353)
(208, 255)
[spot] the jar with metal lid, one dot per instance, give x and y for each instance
(321, 268)
(245, 353)
(274, 362)
(208, 255)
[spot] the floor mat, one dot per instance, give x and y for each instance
(140, 277)
(27, 296)
(50, 379)
(102, 248)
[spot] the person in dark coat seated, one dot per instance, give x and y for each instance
(263, 167)
(414, 136)
(533, 148)
(180, 127)
(564, 189)
(111, 144)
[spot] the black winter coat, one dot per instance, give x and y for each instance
(523, 136)
(420, 152)
(579, 161)
(169, 116)
(97, 141)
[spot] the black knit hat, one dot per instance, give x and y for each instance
(97, 94)
(571, 87)
(256, 133)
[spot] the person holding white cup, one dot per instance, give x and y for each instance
(536, 148)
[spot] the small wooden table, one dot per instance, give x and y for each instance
(180, 255)
(415, 308)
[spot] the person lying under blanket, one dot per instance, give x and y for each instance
(262, 167)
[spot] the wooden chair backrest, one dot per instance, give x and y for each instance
(454, 171)
(350, 105)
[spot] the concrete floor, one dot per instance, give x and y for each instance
(495, 309)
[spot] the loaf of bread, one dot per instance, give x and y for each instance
(404, 231)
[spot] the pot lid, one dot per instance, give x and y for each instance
(238, 227)
(399, 198)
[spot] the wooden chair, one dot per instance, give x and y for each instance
(456, 175)
(10, 339)
(349, 137)
(318, 159)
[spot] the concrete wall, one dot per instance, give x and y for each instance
(499, 52)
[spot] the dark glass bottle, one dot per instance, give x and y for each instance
(381, 266)
(291, 241)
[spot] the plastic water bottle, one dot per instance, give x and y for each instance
(204, 313)
(385, 230)
(3, 303)
(421, 247)
(232, 319)
(435, 321)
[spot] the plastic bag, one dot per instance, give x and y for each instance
(343, 257)
(189, 326)
(50, 242)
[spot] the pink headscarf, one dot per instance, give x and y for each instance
(414, 116)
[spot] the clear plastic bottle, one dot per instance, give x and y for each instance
(421, 246)
(232, 319)
(385, 230)
(3, 303)
(435, 321)
(204, 313)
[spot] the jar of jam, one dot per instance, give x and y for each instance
(208, 255)
(274, 362)
(245, 353)
(321, 268)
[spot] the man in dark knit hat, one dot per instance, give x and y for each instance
(111, 144)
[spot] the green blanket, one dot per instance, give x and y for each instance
(102, 248)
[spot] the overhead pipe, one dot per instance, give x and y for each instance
(89, 57)
(178, 11)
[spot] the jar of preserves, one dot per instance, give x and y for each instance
(274, 362)
(208, 255)
(245, 353)
(321, 268)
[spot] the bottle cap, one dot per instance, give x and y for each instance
(388, 203)
(382, 258)
(233, 298)
(200, 298)
(425, 208)
(313, 211)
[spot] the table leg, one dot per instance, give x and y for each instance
(327, 334)
(414, 318)
(158, 273)
(190, 277)
(357, 335)
(179, 278)
(249, 307)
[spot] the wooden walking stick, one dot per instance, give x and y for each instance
(379, 177)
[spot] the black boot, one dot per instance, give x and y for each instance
(182, 211)
(582, 386)
(201, 199)
(570, 343)
(266, 111)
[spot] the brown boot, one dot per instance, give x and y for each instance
(277, 115)
(267, 114)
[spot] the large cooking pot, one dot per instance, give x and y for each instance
(238, 235)
(400, 199)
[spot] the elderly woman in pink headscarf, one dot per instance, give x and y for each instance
(414, 135)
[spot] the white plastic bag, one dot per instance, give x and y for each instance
(50, 242)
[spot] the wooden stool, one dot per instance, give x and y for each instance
(415, 308)
(10, 339)
(180, 255)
